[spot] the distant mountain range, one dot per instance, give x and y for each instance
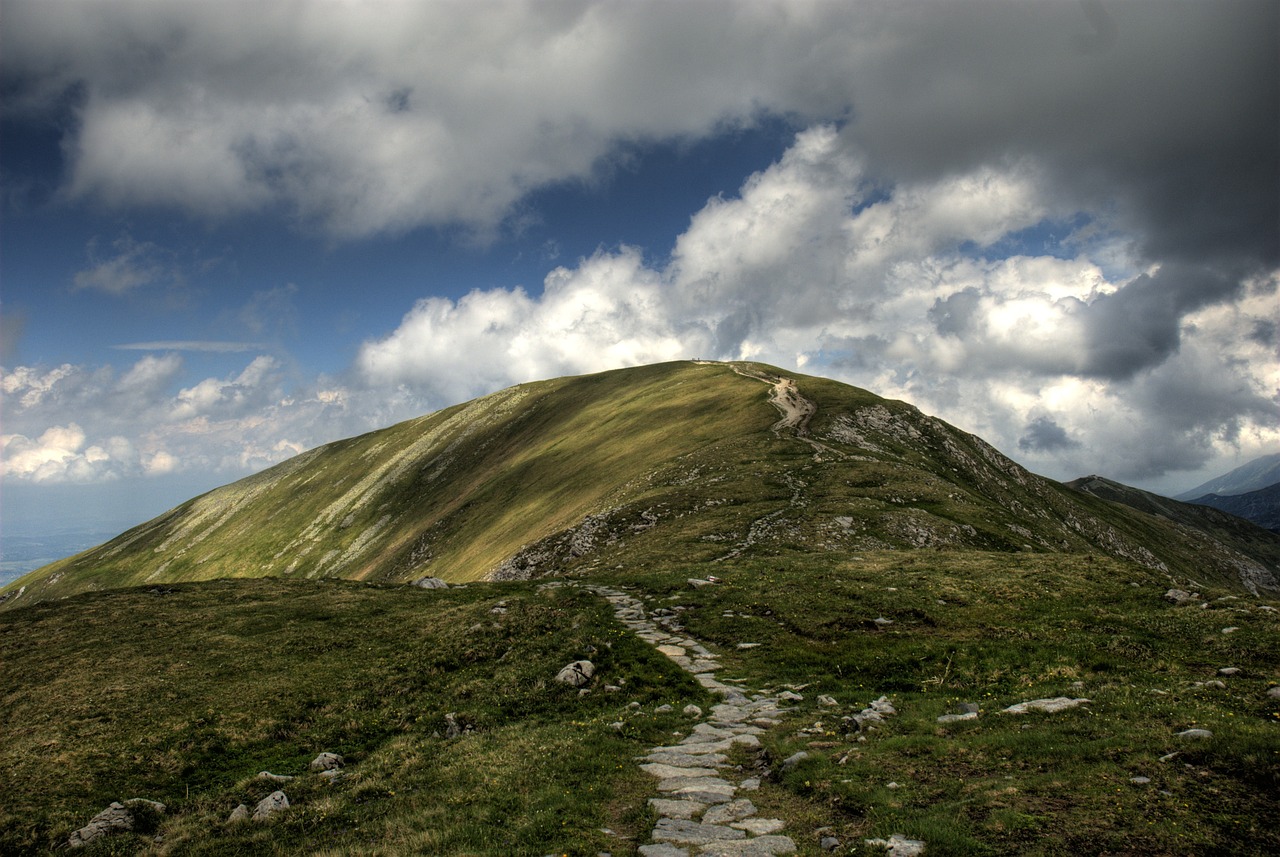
(672, 463)
(1262, 507)
(1251, 491)
(1259, 473)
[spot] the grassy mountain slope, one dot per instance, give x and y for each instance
(1262, 507)
(1226, 529)
(633, 467)
(863, 547)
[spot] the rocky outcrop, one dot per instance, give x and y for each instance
(136, 814)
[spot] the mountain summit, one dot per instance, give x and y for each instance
(686, 462)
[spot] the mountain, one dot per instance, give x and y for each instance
(1257, 474)
(826, 605)
(1216, 526)
(1262, 507)
(679, 462)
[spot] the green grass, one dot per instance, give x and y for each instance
(1013, 628)
(184, 695)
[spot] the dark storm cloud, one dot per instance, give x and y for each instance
(1044, 435)
(1169, 120)
(1138, 326)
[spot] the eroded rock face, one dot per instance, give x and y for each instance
(577, 674)
(430, 583)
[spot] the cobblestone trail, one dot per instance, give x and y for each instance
(703, 807)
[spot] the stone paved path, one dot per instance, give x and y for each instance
(703, 806)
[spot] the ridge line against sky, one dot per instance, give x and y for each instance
(234, 231)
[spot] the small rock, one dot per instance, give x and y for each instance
(750, 784)
(332, 776)
(430, 583)
(577, 673)
(790, 696)
(898, 845)
(1274, 692)
(273, 778)
(691, 711)
(1180, 596)
(967, 708)
(270, 805)
(1195, 734)
(1229, 671)
(883, 706)
(116, 818)
(662, 709)
(1139, 781)
(747, 645)
(893, 786)
(698, 583)
(829, 843)
(1220, 685)
(827, 701)
(1169, 758)
(1230, 630)
(793, 760)
(326, 762)
(1048, 706)
(239, 814)
(882, 621)
(759, 826)
(954, 718)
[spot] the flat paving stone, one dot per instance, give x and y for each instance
(702, 784)
(668, 808)
(693, 832)
(761, 846)
(734, 810)
(663, 849)
(685, 760)
(667, 772)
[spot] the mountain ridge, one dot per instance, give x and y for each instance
(1262, 507)
(688, 461)
(1253, 475)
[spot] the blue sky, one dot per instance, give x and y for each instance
(234, 231)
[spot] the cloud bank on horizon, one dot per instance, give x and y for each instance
(1054, 224)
